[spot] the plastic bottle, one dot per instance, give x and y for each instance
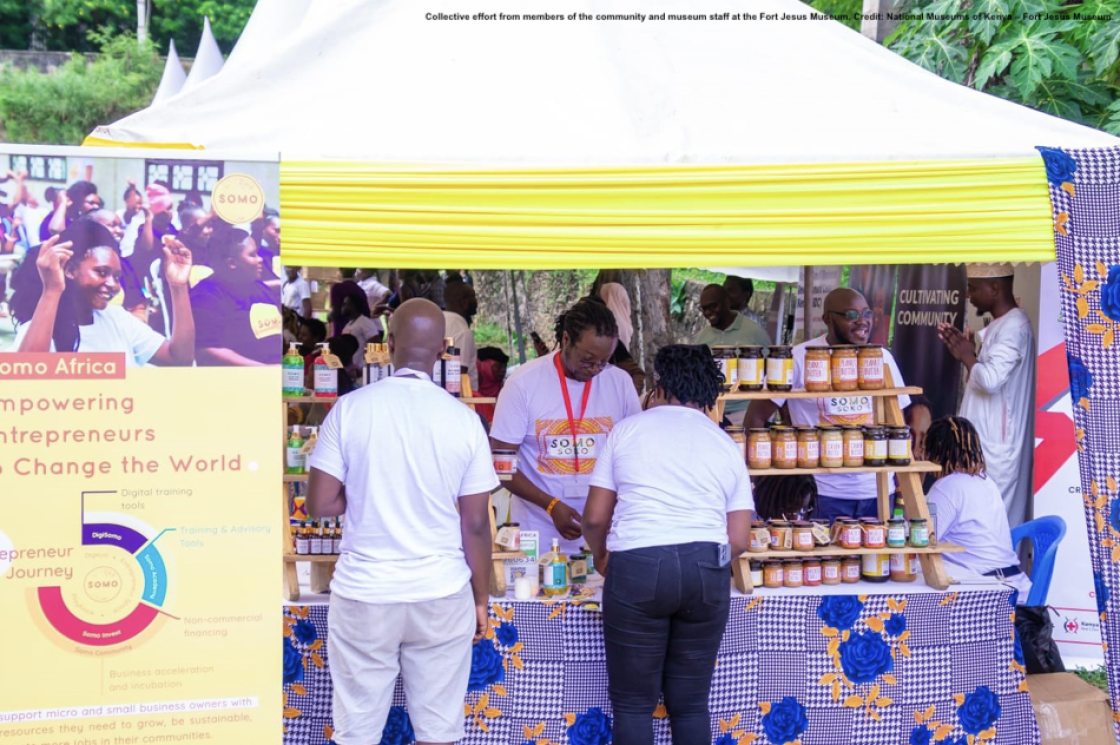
(303, 546)
(337, 542)
(316, 539)
(453, 370)
(326, 379)
(310, 443)
(373, 370)
(293, 371)
(295, 460)
(555, 571)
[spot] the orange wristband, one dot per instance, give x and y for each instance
(551, 506)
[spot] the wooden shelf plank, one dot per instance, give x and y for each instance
(767, 395)
(314, 558)
(307, 400)
(915, 467)
(941, 548)
(295, 478)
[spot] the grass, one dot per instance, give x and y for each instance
(493, 335)
(1098, 677)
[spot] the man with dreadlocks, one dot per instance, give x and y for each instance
(557, 411)
(970, 510)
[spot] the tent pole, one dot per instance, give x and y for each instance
(517, 321)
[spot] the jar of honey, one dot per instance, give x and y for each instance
(758, 449)
(760, 538)
(874, 446)
(781, 535)
(784, 444)
(850, 570)
(808, 448)
(874, 534)
(845, 368)
(818, 369)
(772, 574)
(811, 569)
(846, 533)
(853, 447)
(871, 367)
(728, 360)
(793, 573)
(756, 574)
(822, 536)
(898, 446)
(751, 368)
(904, 567)
(803, 536)
(830, 571)
(876, 567)
(738, 435)
(832, 447)
(779, 369)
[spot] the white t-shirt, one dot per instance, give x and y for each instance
(377, 293)
(131, 232)
(531, 411)
(853, 409)
(671, 466)
(464, 340)
(970, 513)
(113, 330)
(295, 292)
(363, 328)
(389, 444)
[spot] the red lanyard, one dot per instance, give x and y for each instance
(568, 405)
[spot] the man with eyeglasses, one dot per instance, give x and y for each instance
(849, 321)
(557, 412)
(727, 327)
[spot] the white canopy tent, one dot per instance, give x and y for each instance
(383, 80)
(208, 60)
(173, 77)
(272, 21)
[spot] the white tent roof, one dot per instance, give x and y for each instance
(208, 60)
(173, 77)
(272, 21)
(386, 80)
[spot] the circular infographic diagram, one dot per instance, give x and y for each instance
(119, 585)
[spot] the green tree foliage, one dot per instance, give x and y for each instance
(63, 107)
(845, 11)
(1062, 61)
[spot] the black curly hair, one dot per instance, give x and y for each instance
(784, 497)
(954, 444)
(688, 373)
(587, 313)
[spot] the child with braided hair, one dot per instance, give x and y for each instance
(970, 510)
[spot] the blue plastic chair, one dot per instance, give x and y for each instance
(1044, 533)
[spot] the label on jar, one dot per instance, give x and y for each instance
(793, 576)
(762, 449)
(756, 577)
(730, 368)
(871, 369)
(809, 450)
(831, 572)
(896, 535)
(855, 448)
(779, 371)
(876, 449)
(750, 371)
(812, 575)
(919, 535)
(848, 369)
(817, 371)
(760, 539)
(851, 572)
(899, 449)
(899, 564)
(875, 566)
(833, 450)
(875, 537)
(850, 537)
(803, 540)
(789, 449)
(556, 576)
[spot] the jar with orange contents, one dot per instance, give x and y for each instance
(871, 367)
(818, 369)
(784, 447)
(808, 448)
(845, 368)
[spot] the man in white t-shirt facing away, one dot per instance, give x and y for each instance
(849, 321)
(462, 304)
(557, 412)
(410, 589)
(377, 293)
(296, 292)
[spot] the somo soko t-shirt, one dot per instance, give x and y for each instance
(245, 319)
(677, 475)
(531, 412)
(389, 444)
(113, 330)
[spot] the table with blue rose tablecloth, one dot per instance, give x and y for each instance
(883, 668)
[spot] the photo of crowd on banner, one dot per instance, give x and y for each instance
(149, 270)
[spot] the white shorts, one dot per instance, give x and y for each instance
(427, 643)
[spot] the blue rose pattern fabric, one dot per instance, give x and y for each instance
(840, 611)
(398, 728)
(293, 663)
(785, 722)
(506, 634)
(980, 710)
(593, 727)
(896, 624)
(486, 666)
(304, 632)
(864, 657)
(1110, 294)
(1060, 167)
(1080, 379)
(921, 736)
(1101, 591)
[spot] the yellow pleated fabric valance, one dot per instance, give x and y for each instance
(363, 214)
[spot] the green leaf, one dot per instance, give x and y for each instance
(1053, 102)
(993, 63)
(1091, 93)
(1032, 63)
(986, 17)
(1104, 47)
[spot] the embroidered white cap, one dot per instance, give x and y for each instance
(990, 271)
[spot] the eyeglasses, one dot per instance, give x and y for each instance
(588, 361)
(851, 316)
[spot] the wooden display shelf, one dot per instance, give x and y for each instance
(308, 400)
(313, 558)
(916, 467)
(296, 478)
(769, 395)
(941, 548)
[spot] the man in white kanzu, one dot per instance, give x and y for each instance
(999, 396)
(849, 320)
(296, 292)
(410, 589)
(557, 412)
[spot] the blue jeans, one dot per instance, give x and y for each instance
(830, 508)
(664, 612)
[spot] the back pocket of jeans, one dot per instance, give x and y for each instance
(715, 584)
(632, 578)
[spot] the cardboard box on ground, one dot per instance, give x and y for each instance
(1070, 711)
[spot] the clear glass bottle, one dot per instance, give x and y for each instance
(555, 566)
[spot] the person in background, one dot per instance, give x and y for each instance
(266, 232)
(132, 218)
(132, 298)
(970, 510)
(785, 497)
(849, 321)
(79, 199)
(345, 347)
(312, 332)
(492, 365)
(667, 595)
(353, 311)
(296, 292)
(376, 293)
(163, 218)
(64, 301)
(291, 326)
(237, 314)
(727, 327)
(999, 395)
(462, 305)
(740, 290)
(433, 287)
(617, 299)
(411, 588)
(557, 412)
(918, 416)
